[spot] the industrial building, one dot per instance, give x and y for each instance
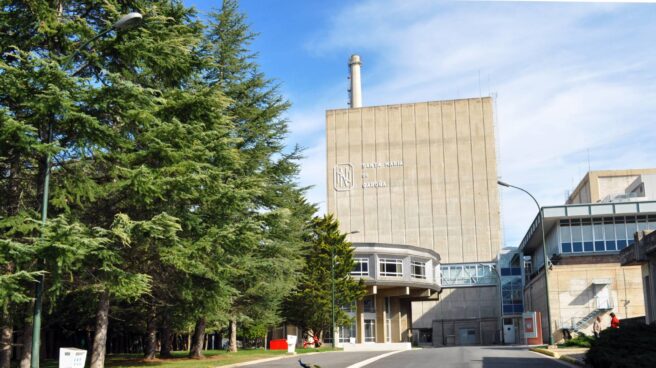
(643, 253)
(416, 186)
(584, 239)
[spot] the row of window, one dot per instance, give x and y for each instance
(606, 234)
(389, 267)
(467, 274)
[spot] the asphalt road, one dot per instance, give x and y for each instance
(456, 357)
(324, 360)
(469, 357)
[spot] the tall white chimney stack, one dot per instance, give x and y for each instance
(356, 87)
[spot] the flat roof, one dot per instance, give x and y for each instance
(608, 173)
(553, 214)
(408, 103)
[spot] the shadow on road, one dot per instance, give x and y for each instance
(505, 347)
(503, 362)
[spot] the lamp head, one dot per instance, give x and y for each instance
(128, 21)
(503, 184)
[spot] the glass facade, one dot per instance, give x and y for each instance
(512, 290)
(601, 234)
(453, 275)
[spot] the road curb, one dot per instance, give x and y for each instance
(557, 355)
(548, 352)
(571, 360)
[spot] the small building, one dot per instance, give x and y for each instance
(584, 239)
(643, 253)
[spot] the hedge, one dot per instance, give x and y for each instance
(628, 346)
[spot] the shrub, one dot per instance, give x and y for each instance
(626, 347)
(582, 341)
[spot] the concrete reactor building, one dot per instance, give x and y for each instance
(415, 185)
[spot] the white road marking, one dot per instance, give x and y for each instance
(371, 360)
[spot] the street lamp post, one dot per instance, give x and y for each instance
(126, 22)
(332, 277)
(545, 256)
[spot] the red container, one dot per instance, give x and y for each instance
(278, 344)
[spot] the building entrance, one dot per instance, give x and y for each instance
(508, 331)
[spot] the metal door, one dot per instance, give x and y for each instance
(509, 333)
(603, 297)
(467, 336)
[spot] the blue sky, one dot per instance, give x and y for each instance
(575, 83)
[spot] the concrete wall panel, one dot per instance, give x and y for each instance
(422, 174)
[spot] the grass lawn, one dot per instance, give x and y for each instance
(213, 358)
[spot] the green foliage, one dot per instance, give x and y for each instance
(581, 341)
(171, 187)
(629, 346)
(264, 262)
(310, 305)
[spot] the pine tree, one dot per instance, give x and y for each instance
(310, 305)
(173, 198)
(267, 261)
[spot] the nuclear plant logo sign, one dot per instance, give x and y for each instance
(343, 177)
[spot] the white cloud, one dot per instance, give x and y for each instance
(570, 79)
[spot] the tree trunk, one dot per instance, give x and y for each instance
(5, 341)
(196, 350)
(26, 353)
(233, 335)
(151, 337)
(165, 351)
(100, 337)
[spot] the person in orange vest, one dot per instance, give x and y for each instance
(614, 321)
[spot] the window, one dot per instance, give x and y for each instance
(346, 332)
(566, 236)
(351, 308)
(586, 229)
(608, 234)
(418, 270)
(361, 267)
(369, 330)
(577, 239)
(467, 274)
(369, 305)
(598, 228)
(620, 233)
(528, 267)
(391, 267)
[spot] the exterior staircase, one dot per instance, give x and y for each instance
(588, 319)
